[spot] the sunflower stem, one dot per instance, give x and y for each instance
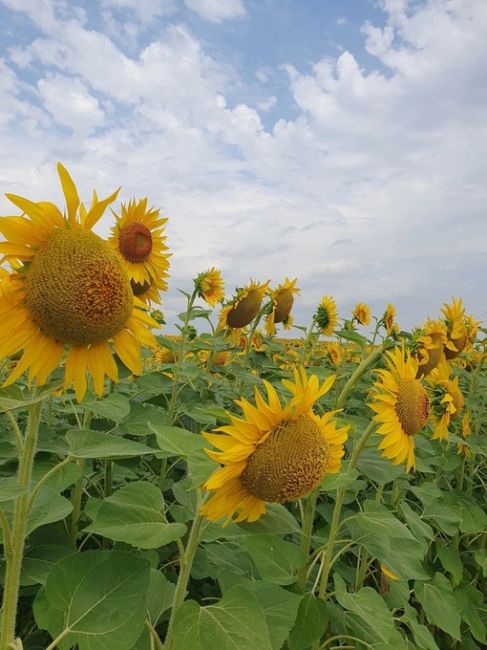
(19, 527)
(361, 370)
(307, 531)
(307, 341)
(76, 500)
(183, 579)
(15, 428)
(180, 357)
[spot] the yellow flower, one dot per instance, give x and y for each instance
(334, 352)
(72, 290)
(327, 316)
(273, 453)
(138, 235)
(361, 313)
(389, 319)
(447, 399)
(430, 346)
(457, 332)
(401, 405)
(282, 302)
(472, 326)
(388, 573)
(464, 450)
(210, 286)
(244, 307)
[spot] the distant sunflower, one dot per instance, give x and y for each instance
(282, 302)
(472, 326)
(72, 290)
(361, 313)
(389, 317)
(138, 235)
(326, 316)
(273, 453)
(210, 286)
(335, 353)
(457, 332)
(244, 307)
(446, 399)
(466, 431)
(401, 405)
(430, 346)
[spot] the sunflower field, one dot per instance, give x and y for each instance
(227, 487)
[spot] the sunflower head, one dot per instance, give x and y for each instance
(447, 399)
(326, 315)
(334, 351)
(273, 452)
(282, 300)
(454, 314)
(389, 317)
(138, 235)
(361, 313)
(244, 307)
(430, 346)
(401, 406)
(210, 286)
(69, 288)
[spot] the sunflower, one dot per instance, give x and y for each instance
(472, 326)
(401, 405)
(273, 453)
(430, 346)
(282, 302)
(447, 399)
(138, 235)
(71, 290)
(457, 331)
(388, 319)
(244, 307)
(334, 351)
(361, 313)
(210, 286)
(326, 315)
(466, 431)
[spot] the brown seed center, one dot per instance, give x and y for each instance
(284, 300)
(246, 310)
(289, 464)
(412, 406)
(135, 242)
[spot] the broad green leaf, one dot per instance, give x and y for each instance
(437, 599)
(311, 622)
(12, 397)
(332, 482)
(427, 493)
(62, 479)
(472, 606)
(277, 520)
(175, 441)
(39, 560)
(451, 560)
(211, 559)
(446, 517)
(114, 407)
(160, 595)
(280, 610)
(474, 519)
(422, 636)
(236, 622)
(95, 444)
(377, 468)
(134, 515)
(10, 489)
(137, 423)
(49, 506)
(99, 598)
(276, 560)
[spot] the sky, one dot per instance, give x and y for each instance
(340, 142)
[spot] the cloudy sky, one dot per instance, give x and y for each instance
(343, 142)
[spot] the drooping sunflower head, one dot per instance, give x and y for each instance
(401, 406)
(361, 313)
(69, 288)
(282, 300)
(210, 286)
(472, 326)
(389, 318)
(454, 314)
(446, 399)
(244, 307)
(273, 453)
(326, 315)
(138, 235)
(430, 346)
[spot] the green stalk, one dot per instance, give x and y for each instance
(307, 342)
(19, 528)
(307, 531)
(183, 579)
(180, 357)
(76, 500)
(361, 370)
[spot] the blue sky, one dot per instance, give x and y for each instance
(342, 142)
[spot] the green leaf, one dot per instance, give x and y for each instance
(175, 441)
(39, 561)
(474, 519)
(160, 595)
(446, 517)
(276, 560)
(48, 507)
(236, 622)
(451, 560)
(10, 489)
(422, 636)
(12, 397)
(280, 610)
(437, 599)
(377, 468)
(311, 622)
(471, 605)
(332, 482)
(95, 444)
(277, 520)
(98, 597)
(137, 423)
(134, 515)
(114, 407)
(62, 479)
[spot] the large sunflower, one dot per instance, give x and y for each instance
(401, 405)
(457, 331)
(282, 302)
(273, 453)
(446, 399)
(71, 290)
(138, 235)
(326, 316)
(244, 307)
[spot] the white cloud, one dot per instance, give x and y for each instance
(217, 11)
(374, 191)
